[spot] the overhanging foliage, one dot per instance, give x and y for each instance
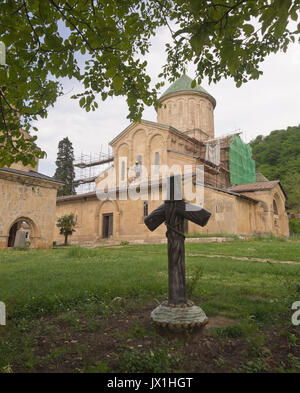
(50, 39)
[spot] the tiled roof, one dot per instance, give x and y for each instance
(258, 186)
(34, 174)
(93, 193)
(184, 84)
(77, 196)
(260, 177)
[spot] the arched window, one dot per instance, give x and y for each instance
(275, 208)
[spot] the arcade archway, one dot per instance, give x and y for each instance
(23, 223)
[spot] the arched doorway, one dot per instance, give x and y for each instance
(107, 219)
(25, 225)
(12, 234)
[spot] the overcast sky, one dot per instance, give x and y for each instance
(256, 108)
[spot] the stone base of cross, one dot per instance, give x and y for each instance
(177, 312)
(179, 317)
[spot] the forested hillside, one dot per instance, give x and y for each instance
(277, 156)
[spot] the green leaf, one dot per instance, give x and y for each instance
(197, 42)
(82, 102)
(118, 82)
(280, 27)
(195, 6)
(267, 18)
(119, 33)
(294, 15)
(110, 72)
(248, 29)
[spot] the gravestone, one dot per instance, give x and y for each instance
(177, 312)
(20, 240)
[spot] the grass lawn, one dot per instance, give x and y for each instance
(88, 310)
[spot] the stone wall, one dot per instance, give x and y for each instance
(147, 139)
(19, 166)
(267, 221)
(188, 111)
(230, 215)
(31, 200)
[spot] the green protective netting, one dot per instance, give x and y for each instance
(242, 165)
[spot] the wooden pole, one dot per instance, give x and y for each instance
(176, 253)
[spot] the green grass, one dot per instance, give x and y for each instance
(42, 282)
(279, 249)
(203, 235)
(102, 282)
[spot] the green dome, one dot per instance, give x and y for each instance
(184, 84)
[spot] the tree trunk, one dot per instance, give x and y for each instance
(66, 239)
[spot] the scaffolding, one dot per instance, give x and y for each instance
(242, 165)
(88, 167)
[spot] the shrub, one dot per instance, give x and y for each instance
(294, 225)
(192, 280)
(66, 225)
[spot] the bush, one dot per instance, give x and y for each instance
(294, 225)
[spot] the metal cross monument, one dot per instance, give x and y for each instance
(177, 311)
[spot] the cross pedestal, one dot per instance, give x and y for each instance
(177, 312)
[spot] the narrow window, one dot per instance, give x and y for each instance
(123, 171)
(275, 209)
(157, 163)
(138, 167)
(145, 209)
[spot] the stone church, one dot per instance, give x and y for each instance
(241, 201)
